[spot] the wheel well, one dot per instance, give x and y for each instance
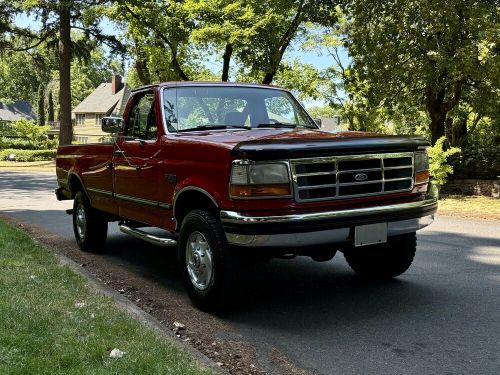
(75, 185)
(191, 200)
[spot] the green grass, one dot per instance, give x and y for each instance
(43, 332)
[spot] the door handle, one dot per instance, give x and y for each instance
(119, 152)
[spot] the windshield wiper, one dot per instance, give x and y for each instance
(214, 127)
(277, 125)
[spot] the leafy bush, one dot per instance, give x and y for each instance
(479, 156)
(28, 155)
(438, 157)
(28, 135)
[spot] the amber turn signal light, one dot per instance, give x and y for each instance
(421, 176)
(247, 191)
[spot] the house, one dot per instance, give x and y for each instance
(16, 111)
(108, 99)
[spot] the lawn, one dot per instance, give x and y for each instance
(470, 206)
(52, 322)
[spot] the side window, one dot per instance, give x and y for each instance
(279, 109)
(142, 119)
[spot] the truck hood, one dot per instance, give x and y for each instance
(260, 144)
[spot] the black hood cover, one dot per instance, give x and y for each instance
(289, 148)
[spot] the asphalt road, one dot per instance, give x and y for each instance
(441, 317)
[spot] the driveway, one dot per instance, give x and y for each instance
(298, 316)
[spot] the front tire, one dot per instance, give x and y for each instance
(89, 226)
(383, 261)
(205, 260)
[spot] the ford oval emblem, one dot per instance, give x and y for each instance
(361, 177)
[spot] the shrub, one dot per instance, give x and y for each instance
(28, 155)
(28, 135)
(439, 168)
(479, 156)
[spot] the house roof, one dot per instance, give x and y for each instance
(101, 100)
(16, 111)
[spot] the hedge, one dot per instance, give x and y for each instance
(17, 143)
(28, 155)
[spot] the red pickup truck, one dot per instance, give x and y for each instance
(226, 169)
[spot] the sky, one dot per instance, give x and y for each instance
(317, 58)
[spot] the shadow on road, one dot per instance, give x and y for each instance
(288, 291)
(22, 184)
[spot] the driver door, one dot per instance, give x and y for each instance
(136, 165)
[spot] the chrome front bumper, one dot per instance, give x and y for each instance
(327, 227)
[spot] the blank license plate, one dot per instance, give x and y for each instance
(370, 234)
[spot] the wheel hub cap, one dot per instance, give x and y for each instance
(199, 260)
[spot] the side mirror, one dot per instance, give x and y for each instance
(111, 124)
(318, 121)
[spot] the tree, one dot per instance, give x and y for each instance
(20, 80)
(50, 108)
(172, 40)
(341, 86)
(41, 106)
(425, 53)
(58, 18)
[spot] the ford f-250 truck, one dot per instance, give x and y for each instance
(225, 169)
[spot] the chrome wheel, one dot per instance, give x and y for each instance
(81, 221)
(199, 260)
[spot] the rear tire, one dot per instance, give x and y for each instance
(383, 261)
(89, 225)
(205, 261)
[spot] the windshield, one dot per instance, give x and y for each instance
(205, 107)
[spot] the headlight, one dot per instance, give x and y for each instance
(250, 179)
(421, 167)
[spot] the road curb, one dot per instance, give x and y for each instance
(126, 305)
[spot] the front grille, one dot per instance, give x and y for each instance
(339, 177)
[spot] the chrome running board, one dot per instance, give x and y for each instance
(137, 233)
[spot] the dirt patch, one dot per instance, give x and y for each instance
(30, 166)
(207, 333)
(469, 207)
(286, 367)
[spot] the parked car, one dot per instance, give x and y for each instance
(226, 169)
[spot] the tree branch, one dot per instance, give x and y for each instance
(457, 94)
(284, 43)
(226, 58)
(175, 63)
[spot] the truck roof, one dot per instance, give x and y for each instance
(207, 83)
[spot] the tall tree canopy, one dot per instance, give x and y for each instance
(57, 19)
(173, 40)
(430, 54)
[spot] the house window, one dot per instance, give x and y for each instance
(80, 119)
(98, 119)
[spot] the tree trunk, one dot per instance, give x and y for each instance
(142, 71)
(284, 43)
(438, 108)
(437, 126)
(41, 106)
(50, 108)
(66, 128)
(459, 131)
(226, 58)
(434, 103)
